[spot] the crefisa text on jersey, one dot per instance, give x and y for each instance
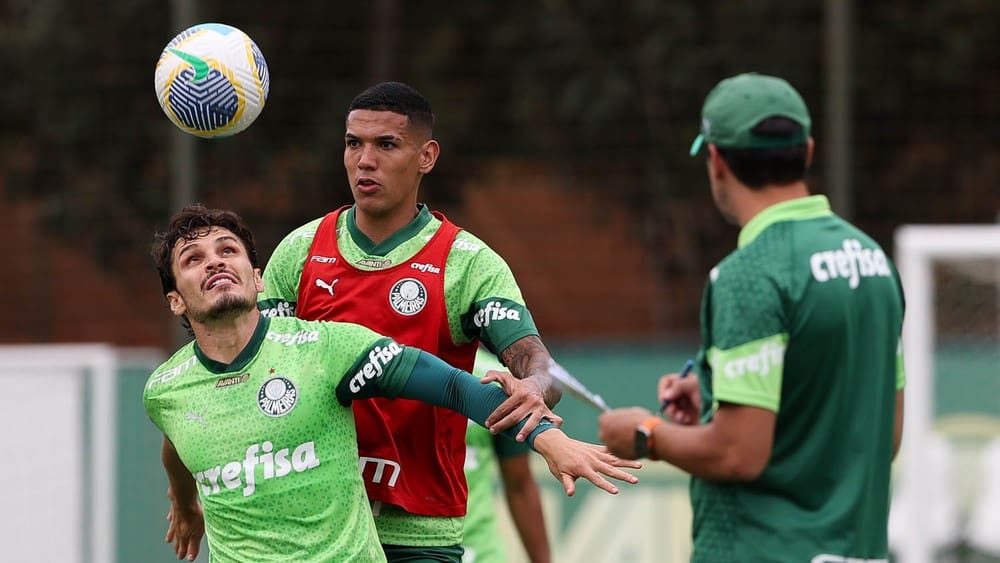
(275, 464)
(378, 358)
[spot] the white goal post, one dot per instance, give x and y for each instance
(918, 249)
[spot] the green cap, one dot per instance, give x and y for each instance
(737, 104)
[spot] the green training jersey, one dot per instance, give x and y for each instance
(478, 284)
(803, 319)
(483, 543)
(475, 276)
(271, 446)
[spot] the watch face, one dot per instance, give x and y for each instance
(641, 443)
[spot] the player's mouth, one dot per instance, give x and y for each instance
(219, 280)
(367, 186)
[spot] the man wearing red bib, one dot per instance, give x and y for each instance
(391, 264)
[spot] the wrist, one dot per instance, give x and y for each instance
(541, 441)
(644, 437)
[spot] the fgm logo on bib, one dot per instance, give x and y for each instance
(408, 296)
(277, 396)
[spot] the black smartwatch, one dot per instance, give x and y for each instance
(644, 437)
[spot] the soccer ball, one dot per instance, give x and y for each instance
(212, 80)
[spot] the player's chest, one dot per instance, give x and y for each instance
(215, 415)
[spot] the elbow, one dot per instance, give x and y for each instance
(742, 466)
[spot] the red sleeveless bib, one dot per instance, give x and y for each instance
(412, 454)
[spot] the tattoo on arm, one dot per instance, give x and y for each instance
(528, 357)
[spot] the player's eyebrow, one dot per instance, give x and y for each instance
(378, 138)
(188, 244)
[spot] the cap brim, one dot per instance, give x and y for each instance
(696, 145)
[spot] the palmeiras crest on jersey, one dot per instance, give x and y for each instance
(277, 396)
(408, 296)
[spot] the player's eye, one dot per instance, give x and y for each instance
(387, 144)
(352, 143)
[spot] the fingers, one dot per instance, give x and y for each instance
(569, 484)
(193, 547)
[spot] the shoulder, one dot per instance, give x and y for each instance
(467, 248)
(302, 235)
(164, 376)
(293, 329)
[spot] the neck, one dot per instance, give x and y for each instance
(752, 202)
(222, 340)
(379, 227)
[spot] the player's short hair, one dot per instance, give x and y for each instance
(774, 165)
(398, 98)
(190, 223)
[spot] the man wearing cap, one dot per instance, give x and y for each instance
(790, 426)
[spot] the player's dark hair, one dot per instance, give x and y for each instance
(398, 98)
(779, 165)
(190, 223)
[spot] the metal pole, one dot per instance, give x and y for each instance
(838, 158)
(181, 157)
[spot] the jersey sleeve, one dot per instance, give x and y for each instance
(749, 336)
(505, 448)
(491, 307)
(281, 276)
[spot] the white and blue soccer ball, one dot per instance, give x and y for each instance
(212, 80)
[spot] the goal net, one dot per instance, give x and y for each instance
(946, 490)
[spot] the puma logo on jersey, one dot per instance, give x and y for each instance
(200, 419)
(378, 358)
(851, 262)
(276, 464)
(327, 286)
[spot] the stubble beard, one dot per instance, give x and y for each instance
(228, 307)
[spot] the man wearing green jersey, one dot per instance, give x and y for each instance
(486, 456)
(393, 265)
(790, 430)
(259, 439)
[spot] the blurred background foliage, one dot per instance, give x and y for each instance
(603, 96)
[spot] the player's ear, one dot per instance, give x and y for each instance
(810, 145)
(717, 166)
(176, 303)
(429, 152)
(258, 281)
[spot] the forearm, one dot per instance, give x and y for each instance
(528, 357)
(434, 382)
(735, 446)
(183, 489)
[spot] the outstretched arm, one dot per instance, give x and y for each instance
(187, 522)
(432, 381)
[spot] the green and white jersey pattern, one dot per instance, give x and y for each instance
(803, 319)
(272, 449)
(477, 282)
(482, 541)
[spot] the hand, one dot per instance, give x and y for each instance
(617, 430)
(186, 528)
(527, 400)
(570, 459)
(684, 395)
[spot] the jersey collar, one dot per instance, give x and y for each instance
(797, 209)
(245, 356)
(362, 241)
